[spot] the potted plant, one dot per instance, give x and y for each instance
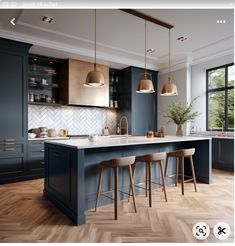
(180, 114)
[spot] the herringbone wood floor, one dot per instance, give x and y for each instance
(25, 216)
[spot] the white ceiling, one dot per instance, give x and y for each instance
(120, 36)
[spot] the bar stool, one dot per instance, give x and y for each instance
(181, 154)
(150, 159)
(115, 164)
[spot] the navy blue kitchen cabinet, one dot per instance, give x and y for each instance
(13, 105)
(35, 157)
(139, 108)
(223, 153)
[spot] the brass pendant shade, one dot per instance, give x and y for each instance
(145, 85)
(169, 88)
(95, 78)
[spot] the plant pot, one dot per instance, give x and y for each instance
(179, 131)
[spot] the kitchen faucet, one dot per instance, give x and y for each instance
(120, 123)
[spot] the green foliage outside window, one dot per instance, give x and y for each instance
(220, 93)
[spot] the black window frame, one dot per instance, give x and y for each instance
(226, 88)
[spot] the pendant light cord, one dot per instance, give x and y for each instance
(95, 42)
(145, 35)
(169, 77)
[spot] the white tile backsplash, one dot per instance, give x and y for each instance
(78, 120)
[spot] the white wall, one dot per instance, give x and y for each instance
(198, 87)
(181, 82)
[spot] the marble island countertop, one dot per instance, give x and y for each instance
(112, 141)
(219, 135)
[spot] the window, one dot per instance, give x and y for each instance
(220, 98)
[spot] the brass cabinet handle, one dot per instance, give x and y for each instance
(9, 149)
(9, 143)
(9, 140)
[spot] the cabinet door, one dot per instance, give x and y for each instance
(144, 115)
(36, 156)
(223, 154)
(226, 153)
(11, 96)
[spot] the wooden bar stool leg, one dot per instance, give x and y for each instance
(165, 170)
(133, 177)
(132, 187)
(150, 184)
(146, 179)
(167, 160)
(193, 172)
(99, 187)
(182, 175)
(177, 171)
(115, 191)
(163, 180)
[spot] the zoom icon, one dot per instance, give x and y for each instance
(201, 230)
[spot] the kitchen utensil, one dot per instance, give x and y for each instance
(31, 135)
(93, 138)
(63, 133)
(150, 134)
(106, 131)
(51, 133)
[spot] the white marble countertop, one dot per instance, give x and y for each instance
(48, 138)
(112, 141)
(213, 136)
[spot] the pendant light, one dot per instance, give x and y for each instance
(145, 84)
(95, 78)
(169, 88)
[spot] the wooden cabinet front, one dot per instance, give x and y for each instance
(78, 94)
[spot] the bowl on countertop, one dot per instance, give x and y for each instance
(31, 135)
(93, 138)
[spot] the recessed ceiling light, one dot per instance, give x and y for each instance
(182, 38)
(150, 51)
(221, 21)
(47, 19)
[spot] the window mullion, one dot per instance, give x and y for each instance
(226, 100)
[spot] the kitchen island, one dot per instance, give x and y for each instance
(71, 167)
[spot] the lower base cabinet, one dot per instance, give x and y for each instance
(35, 157)
(223, 153)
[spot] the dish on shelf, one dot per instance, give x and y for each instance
(40, 84)
(55, 85)
(32, 84)
(50, 71)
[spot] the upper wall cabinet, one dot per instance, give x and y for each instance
(45, 80)
(77, 93)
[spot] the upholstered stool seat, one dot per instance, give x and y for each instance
(180, 155)
(115, 164)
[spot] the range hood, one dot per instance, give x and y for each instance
(77, 93)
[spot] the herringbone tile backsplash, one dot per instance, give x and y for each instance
(77, 120)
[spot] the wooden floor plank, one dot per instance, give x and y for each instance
(26, 216)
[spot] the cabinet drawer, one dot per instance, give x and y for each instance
(11, 149)
(36, 145)
(11, 165)
(36, 153)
